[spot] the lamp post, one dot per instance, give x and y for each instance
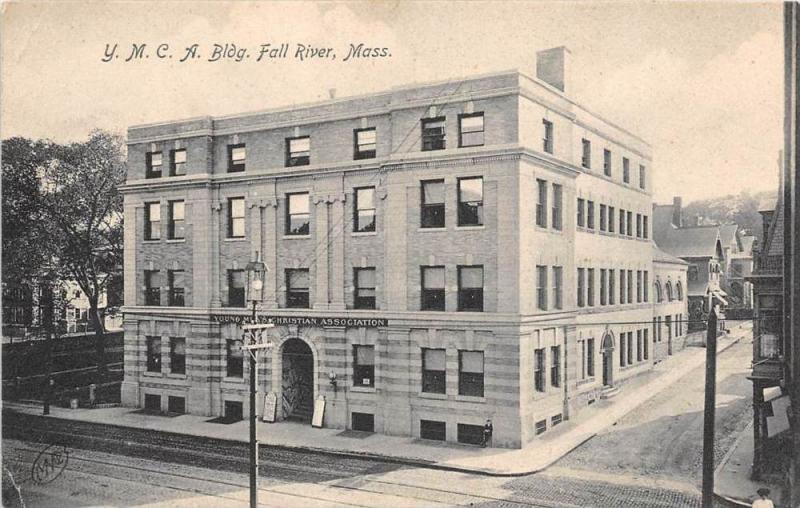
(255, 285)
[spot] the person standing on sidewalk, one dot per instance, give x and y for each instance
(763, 501)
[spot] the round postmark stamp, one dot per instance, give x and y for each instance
(49, 464)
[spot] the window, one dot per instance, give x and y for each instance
(626, 170)
(611, 287)
(297, 288)
(236, 218)
(630, 348)
(603, 286)
(176, 405)
(669, 291)
(555, 366)
(470, 373)
(298, 151)
(622, 287)
(234, 357)
(237, 156)
(470, 288)
(364, 210)
(679, 290)
(630, 286)
(657, 291)
(621, 221)
(638, 345)
(470, 201)
(175, 280)
(541, 287)
(558, 282)
(603, 218)
(642, 177)
(154, 160)
(152, 221)
(297, 214)
(432, 288)
(557, 205)
(610, 219)
(638, 225)
(586, 156)
(470, 434)
(580, 286)
(541, 427)
(430, 429)
(434, 370)
(365, 143)
(363, 365)
(607, 162)
(541, 203)
(590, 357)
(236, 288)
(646, 343)
(692, 272)
(622, 355)
(645, 232)
(152, 287)
(547, 136)
(590, 287)
(153, 354)
(433, 134)
(365, 288)
(638, 286)
(432, 211)
(177, 162)
(175, 227)
(152, 402)
(538, 370)
(629, 221)
(590, 214)
(470, 130)
(646, 286)
(581, 211)
(177, 355)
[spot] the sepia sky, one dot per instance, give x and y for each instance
(701, 82)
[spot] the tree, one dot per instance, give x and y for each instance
(78, 214)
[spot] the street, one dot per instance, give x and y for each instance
(649, 458)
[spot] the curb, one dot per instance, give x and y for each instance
(421, 462)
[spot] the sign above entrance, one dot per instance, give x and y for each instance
(301, 320)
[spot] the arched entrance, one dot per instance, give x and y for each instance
(607, 350)
(297, 380)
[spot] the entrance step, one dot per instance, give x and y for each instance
(609, 392)
(302, 414)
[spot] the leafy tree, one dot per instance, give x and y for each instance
(72, 195)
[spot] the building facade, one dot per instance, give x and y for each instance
(670, 322)
(440, 255)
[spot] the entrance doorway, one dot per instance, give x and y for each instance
(297, 393)
(607, 349)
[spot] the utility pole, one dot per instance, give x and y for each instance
(253, 440)
(710, 403)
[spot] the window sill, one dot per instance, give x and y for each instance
(176, 376)
(149, 373)
(176, 240)
(469, 228)
(587, 381)
(235, 239)
(364, 233)
(432, 395)
(363, 389)
(234, 380)
(470, 398)
(152, 241)
(296, 237)
(431, 230)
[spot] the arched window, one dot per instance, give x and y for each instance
(679, 290)
(657, 291)
(669, 291)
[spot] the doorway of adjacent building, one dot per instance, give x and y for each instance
(297, 394)
(607, 350)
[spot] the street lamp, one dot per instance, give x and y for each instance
(255, 271)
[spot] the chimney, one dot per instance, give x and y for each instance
(677, 204)
(552, 67)
(332, 93)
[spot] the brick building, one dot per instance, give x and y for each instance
(439, 255)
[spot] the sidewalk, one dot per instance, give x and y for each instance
(732, 481)
(536, 456)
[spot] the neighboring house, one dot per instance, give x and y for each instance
(740, 267)
(701, 247)
(440, 254)
(768, 337)
(671, 309)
